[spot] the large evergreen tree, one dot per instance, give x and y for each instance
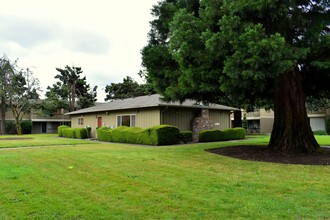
(70, 92)
(129, 88)
(246, 52)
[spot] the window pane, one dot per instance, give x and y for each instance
(125, 120)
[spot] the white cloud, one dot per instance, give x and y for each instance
(104, 37)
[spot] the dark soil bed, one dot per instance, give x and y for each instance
(262, 153)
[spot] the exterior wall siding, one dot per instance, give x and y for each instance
(266, 125)
(318, 124)
(182, 118)
(221, 119)
(144, 118)
(148, 117)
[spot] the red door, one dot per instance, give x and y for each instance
(99, 122)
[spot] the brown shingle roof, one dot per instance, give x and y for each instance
(145, 102)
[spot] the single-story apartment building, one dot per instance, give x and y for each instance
(148, 111)
(41, 123)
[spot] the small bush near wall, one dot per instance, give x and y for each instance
(68, 133)
(65, 131)
(60, 130)
(165, 134)
(80, 133)
(224, 135)
(103, 134)
(320, 132)
(209, 135)
(186, 136)
(158, 135)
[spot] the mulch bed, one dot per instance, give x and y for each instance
(262, 153)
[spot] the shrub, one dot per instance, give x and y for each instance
(158, 135)
(320, 132)
(232, 134)
(10, 127)
(80, 133)
(225, 135)
(104, 133)
(60, 130)
(209, 135)
(68, 133)
(118, 134)
(26, 127)
(186, 136)
(65, 131)
(136, 135)
(164, 135)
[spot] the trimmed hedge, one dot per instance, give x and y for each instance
(224, 135)
(157, 135)
(209, 135)
(232, 134)
(66, 131)
(186, 136)
(80, 133)
(60, 130)
(103, 133)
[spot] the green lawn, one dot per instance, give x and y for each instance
(90, 180)
(14, 141)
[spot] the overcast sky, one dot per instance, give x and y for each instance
(104, 37)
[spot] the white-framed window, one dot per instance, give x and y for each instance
(126, 120)
(81, 121)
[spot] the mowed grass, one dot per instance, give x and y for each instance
(14, 141)
(118, 181)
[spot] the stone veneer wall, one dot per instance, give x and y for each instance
(201, 123)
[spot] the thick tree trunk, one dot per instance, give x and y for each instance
(291, 133)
